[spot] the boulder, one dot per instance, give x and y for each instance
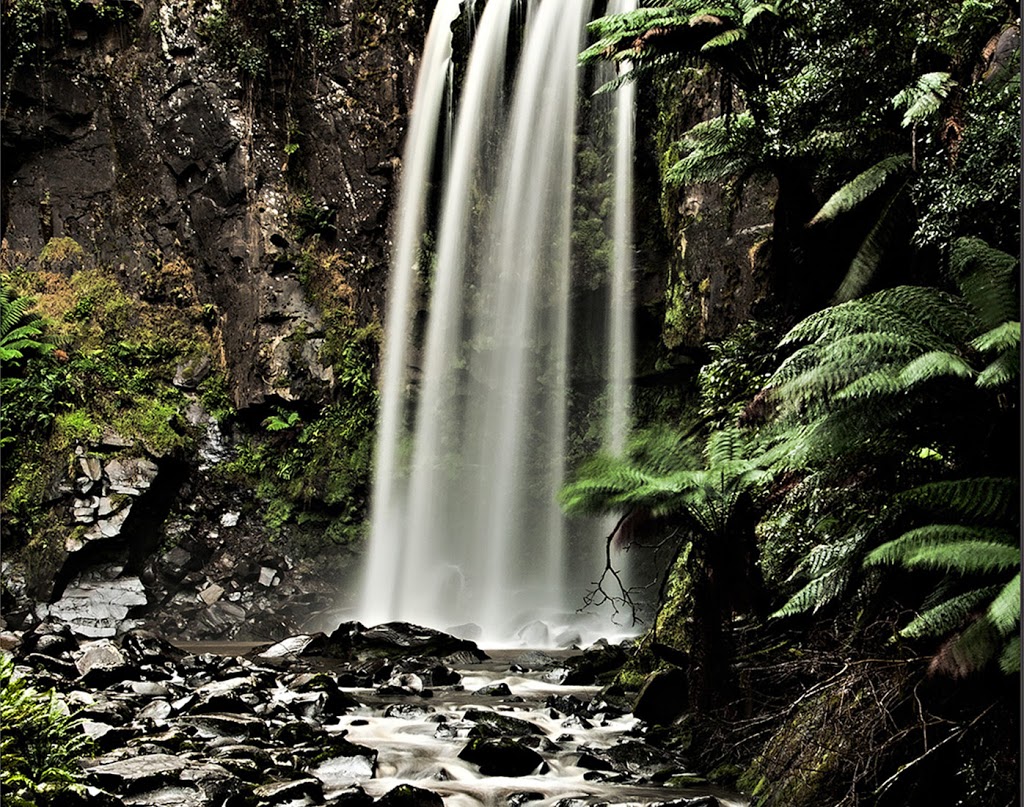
(495, 691)
(96, 607)
(353, 642)
(102, 663)
(493, 724)
(136, 773)
(663, 697)
(409, 796)
(502, 757)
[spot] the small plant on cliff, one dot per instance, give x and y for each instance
(21, 331)
(41, 742)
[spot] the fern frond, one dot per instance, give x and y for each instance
(1009, 659)
(724, 39)
(949, 615)
(914, 541)
(934, 364)
(756, 11)
(819, 592)
(854, 192)
(924, 97)
(965, 557)
(871, 251)
(1001, 338)
(986, 499)
(1004, 370)
(719, 148)
(921, 315)
(1004, 611)
(987, 279)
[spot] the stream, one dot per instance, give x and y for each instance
(419, 741)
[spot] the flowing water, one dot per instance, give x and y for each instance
(422, 749)
(472, 448)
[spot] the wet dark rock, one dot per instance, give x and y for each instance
(540, 744)
(502, 757)
(294, 733)
(698, 801)
(136, 773)
(636, 758)
(293, 647)
(494, 724)
(352, 797)
(533, 660)
(290, 790)
(519, 799)
(567, 704)
(593, 762)
(225, 725)
(354, 642)
(58, 666)
(102, 663)
(144, 647)
(407, 711)
(409, 796)
(49, 639)
(495, 690)
(662, 698)
(596, 662)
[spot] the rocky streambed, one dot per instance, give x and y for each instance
(396, 714)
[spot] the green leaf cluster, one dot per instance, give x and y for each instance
(40, 745)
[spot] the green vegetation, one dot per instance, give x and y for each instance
(267, 38)
(880, 435)
(107, 361)
(41, 743)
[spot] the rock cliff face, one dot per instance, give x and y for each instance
(229, 183)
(128, 130)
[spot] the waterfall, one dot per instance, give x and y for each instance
(465, 523)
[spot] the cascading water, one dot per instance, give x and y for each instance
(465, 523)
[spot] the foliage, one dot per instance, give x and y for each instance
(976, 545)
(825, 95)
(41, 742)
(907, 379)
(736, 369)
(114, 369)
(260, 38)
(18, 329)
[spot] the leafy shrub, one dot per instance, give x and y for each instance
(41, 742)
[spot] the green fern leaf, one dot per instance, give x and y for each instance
(854, 192)
(965, 557)
(1004, 611)
(924, 97)
(1009, 659)
(724, 39)
(987, 279)
(999, 339)
(817, 594)
(1004, 370)
(949, 615)
(986, 499)
(912, 542)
